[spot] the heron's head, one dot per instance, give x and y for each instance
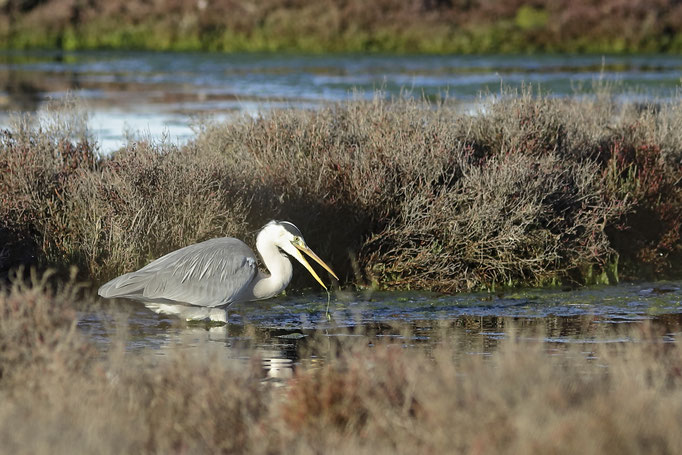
(288, 237)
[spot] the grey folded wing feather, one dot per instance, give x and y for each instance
(209, 274)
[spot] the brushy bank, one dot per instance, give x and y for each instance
(532, 190)
(62, 204)
(421, 26)
(527, 397)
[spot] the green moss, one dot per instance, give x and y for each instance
(529, 18)
(525, 33)
(607, 274)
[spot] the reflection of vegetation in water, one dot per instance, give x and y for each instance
(290, 328)
(520, 397)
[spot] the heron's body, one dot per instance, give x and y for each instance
(200, 281)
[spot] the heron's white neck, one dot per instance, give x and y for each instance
(279, 266)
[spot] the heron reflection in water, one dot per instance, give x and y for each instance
(200, 281)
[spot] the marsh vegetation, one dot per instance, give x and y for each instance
(518, 189)
(422, 26)
(400, 194)
(369, 394)
(530, 190)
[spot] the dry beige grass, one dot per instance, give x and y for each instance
(524, 398)
(146, 201)
(62, 204)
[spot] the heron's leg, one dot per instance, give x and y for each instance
(186, 312)
(218, 315)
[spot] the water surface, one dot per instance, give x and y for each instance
(279, 330)
(155, 93)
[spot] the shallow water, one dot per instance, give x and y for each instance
(156, 93)
(279, 330)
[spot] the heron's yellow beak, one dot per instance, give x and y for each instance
(303, 247)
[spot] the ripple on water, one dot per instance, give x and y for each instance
(281, 331)
(159, 93)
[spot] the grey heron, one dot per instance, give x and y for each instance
(200, 281)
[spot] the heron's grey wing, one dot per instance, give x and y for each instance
(209, 274)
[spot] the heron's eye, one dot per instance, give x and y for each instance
(297, 240)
